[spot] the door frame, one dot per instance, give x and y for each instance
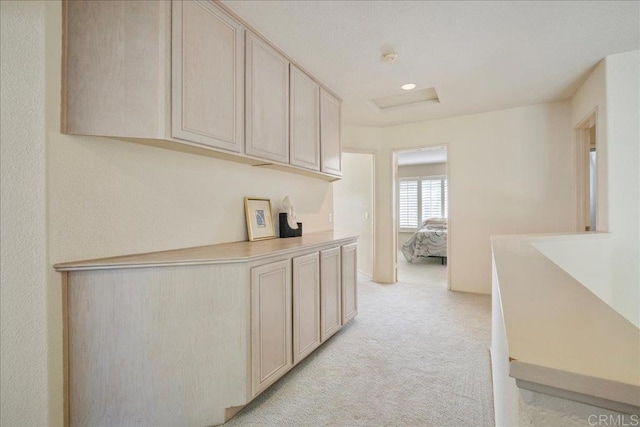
(582, 148)
(395, 182)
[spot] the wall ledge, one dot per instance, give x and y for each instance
(561, 338)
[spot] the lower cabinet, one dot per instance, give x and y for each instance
(270, 324)
(330, 293)
(306, 305)
(349, 282)
(161, 339)
(297, 304)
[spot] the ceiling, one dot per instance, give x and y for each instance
(421, 157)
(479, 56)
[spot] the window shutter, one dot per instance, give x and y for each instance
(408, 196)
(431, 198)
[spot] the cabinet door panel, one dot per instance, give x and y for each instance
(207, 75)
(330, 148)
(114, 70)
(270, 323)
(305, 121)
(330, 314)
(267, 102)
(349, 282)
(306, 305)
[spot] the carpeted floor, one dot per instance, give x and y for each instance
(416, 355)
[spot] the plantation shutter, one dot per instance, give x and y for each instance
(431, 198)
(408, 204)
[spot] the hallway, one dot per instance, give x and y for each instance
(416, 355)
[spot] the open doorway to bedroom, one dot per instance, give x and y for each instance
(422, 215)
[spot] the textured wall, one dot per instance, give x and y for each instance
(23, 287)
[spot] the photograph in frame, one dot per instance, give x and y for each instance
(259, 219)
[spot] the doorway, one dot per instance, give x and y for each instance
(421, 186)
(587, 179)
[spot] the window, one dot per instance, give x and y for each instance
(409, 204)
(420, 199)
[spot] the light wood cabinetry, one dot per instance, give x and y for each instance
(172, 74)
(114, 58)
(207, 74)
(330, 146)
(271, 339)
(330, 293)
(156, 70)
(190, 336)
(349, 282)
(305, 120)
(306, 305)
(267, 101)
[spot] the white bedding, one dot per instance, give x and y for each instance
(424, 243)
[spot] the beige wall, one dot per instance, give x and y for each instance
(610, 266)
(353, 204)
(504, 167)
(23, 271)
(431, 169)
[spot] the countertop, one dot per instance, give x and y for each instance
(213, 254)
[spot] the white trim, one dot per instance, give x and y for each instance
(581, 131)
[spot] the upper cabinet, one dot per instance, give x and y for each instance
(207, 75)
(330, 147)
(191, 76)
(305, 120)
(267, 101)
(114, 60)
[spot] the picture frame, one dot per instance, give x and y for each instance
(260, 224)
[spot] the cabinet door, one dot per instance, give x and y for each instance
(306, 305)
(270, 323)
(305, 121)
(349, 282)
(207, 80)
(267, 101)
(330, 148)
(114, 68)
(330, 297)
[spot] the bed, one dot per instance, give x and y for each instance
(429, 241)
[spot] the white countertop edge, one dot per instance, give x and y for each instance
(103, 264)
(617, 394)
(148, 264)
(601, 388)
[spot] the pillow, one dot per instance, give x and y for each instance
(435, 223)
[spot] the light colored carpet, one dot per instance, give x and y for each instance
(416, 355)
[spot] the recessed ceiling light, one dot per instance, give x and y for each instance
(408, 86)
(389, 56)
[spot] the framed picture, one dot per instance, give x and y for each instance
(259, 220)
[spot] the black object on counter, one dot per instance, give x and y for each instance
(285, 230)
